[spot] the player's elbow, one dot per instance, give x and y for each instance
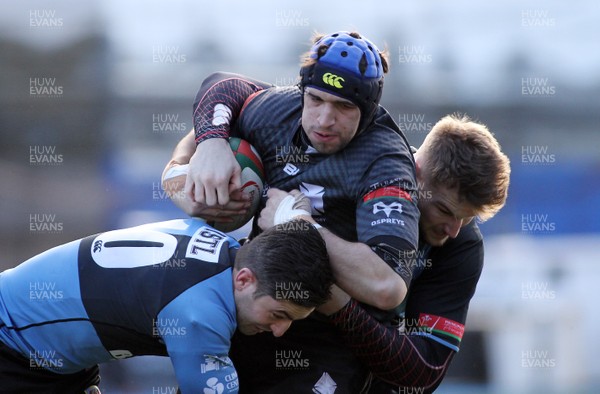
(390, 293)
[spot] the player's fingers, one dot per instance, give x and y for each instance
(218, 219)
(236, 179)
(201, 194)
(222, 195)
(189, 189)
(240, 196)
(235, 206)
(230, 210)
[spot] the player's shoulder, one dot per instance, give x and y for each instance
(384, 134)
(463, 253)
(276, 94)
(470, 234)
(272, 107)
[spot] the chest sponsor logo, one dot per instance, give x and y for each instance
(206, 245)
(291, 169)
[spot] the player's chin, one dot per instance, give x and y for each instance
(436, 240)
(249, 330)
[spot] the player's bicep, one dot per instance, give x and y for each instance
(197, 330)
(388, 214)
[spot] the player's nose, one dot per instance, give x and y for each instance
(280, 327)
(326, 115)
(453, 228)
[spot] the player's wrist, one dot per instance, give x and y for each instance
(286, 211)
(212, 135)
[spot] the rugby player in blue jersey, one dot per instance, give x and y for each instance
(178, 288)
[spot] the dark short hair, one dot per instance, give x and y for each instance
(290, 262)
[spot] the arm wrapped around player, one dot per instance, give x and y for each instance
(392, 356)
(219, 102)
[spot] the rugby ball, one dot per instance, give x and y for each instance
(253, 177)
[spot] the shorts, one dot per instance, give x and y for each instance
(17, 376)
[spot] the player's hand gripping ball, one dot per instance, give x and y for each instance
(253, 176)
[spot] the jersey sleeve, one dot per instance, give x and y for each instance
(197, 327)
(219, 102)
(400, 359)
(438, 299)
(386, 210)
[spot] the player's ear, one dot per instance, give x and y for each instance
(418, 169)
(244, 278)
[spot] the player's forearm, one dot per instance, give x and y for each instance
(362, 274)
(399, 359)
(183, 151)
(173, 180)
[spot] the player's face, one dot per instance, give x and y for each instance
(268, 314)
(442, 214)
(330, 122)
(264, 313)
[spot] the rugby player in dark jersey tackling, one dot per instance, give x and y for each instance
(462, 175)
(415, 357)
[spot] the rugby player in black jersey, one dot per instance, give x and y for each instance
(354, 165)
(329, 138)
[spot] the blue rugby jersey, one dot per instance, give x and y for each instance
(157, 289)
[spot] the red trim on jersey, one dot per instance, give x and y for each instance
(387, 191)
(250, 98)
(442, 325)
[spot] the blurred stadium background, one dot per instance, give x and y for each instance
(95, 95)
